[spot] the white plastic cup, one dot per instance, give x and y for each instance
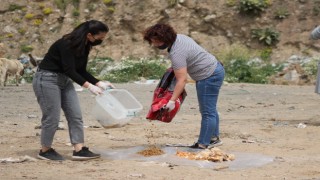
(315, 34)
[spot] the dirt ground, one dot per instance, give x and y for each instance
(257, 119)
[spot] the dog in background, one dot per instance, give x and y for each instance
(10, 67)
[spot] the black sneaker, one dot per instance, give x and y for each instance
(215, 141)
(51, 154)
(198, 146)
(84, 154)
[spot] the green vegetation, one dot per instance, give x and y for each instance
(13, 7)
(95, 66)
(316, 7)
(231, 3)
(107, 2)
(254, 6)
(26, 48)
(24, 9)
(9, 35)
(265, 54)
(243, 66)
(76, 3)
(29, 16)
(128, 69)
(110, 5)
(111, 9)
(268, 36)
(132, 71)
(16, 20)
(47, 11)
(37, 22)
(28, 77)
(75, 13)
(92, 6)
(281, 13)
(62, 4)
(76, 23)
(172, 3)
(311, 67)
(41, 5)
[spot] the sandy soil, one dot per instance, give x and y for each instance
(257, 119)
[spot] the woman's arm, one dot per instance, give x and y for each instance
(181, 76)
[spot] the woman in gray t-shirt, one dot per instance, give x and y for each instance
(187, 57)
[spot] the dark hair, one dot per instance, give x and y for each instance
(160, 32)
(77, 39)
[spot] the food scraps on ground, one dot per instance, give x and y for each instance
(151, 151)
(213, 154)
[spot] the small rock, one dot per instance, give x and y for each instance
(218, 168)
(248, 141)
(136, 175)
(301, 125)
(279, 159)
(32, 116)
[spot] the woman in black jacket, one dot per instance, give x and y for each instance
(66, 60)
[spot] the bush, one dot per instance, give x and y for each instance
(75, 13)
(61, 4)
(253, 6)
(267, 36)
(265, 54)
(235, 51)
(76, 3)
(16, 20)
(107, 2)
(47, 11)
(281, 13)
(311, 68)
(26, 48)
(251, 71)
(172, 3)
(92, 7)
(241, 66)
(29, 16)
(37, 22)
(111, 9)
(13, 7)
(9, 35)
(133, 69)
(41, 5)
(28, 77)
(96, 65)
(231, 3)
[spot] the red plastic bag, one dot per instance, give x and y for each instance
(162, 95)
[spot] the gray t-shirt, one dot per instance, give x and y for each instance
(185, 52)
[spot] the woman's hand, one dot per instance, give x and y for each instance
(170, 105)
(105, 85)
(94, 89)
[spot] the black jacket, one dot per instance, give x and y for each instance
(62, 59)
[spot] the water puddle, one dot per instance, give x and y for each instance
(243, 160)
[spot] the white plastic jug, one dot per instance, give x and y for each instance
(115, 108)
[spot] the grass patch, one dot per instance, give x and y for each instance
(244, 66)
(133, 69)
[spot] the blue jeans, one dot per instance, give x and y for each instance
(208, 92)
(55, 91)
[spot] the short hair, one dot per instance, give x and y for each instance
(161, 32)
